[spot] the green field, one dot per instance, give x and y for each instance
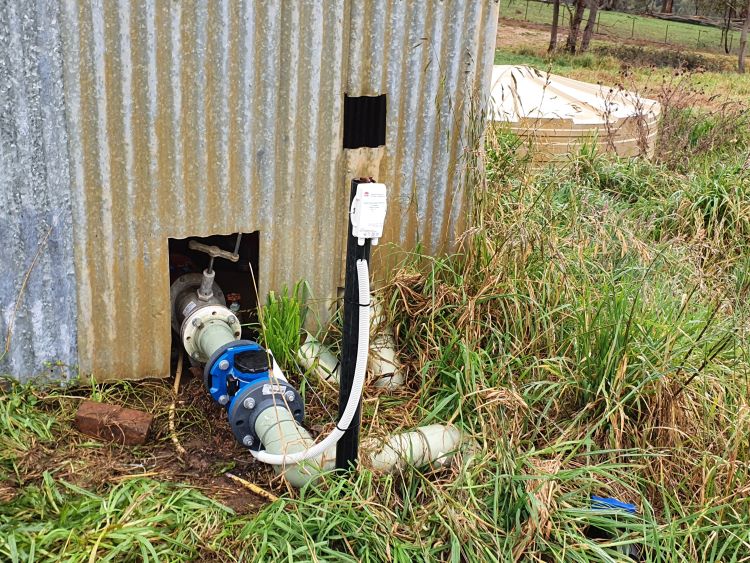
(626, 26)
(650, 77)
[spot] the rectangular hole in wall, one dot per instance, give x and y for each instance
(234, 278)
(364, 121)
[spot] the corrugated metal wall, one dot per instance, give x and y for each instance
(37, 276)
(191, 119)
(431, 58)
(197, 118)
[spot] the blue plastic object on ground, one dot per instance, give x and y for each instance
(608, 503)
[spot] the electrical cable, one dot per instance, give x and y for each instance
(363, 346)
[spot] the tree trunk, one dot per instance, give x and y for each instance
(575, 26)
(743, 40)
(666, 6)
(589, 29)
(727, 27)
(555, 20)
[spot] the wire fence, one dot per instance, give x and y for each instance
(631, 27)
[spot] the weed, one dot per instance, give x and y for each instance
(281, 322)
(24, 428)
(137, 519)
(720, 198)
(635, 55)
(689, 135)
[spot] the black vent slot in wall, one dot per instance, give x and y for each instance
(364, 121)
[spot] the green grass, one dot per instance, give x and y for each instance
(281, 322)
(562, 63)
(627, 26)
(138, 520)
(648, 71)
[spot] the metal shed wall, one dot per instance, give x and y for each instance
(207, 117)
(433, 60)
(37, 274)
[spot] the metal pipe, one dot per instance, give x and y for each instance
(206, 292)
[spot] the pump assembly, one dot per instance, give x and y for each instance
(265, 411)
(237, 373)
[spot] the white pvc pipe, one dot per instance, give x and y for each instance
(363, 344)
(435, 444)
(317, 356)
(383, 365)
(280, 434)
(383, 362)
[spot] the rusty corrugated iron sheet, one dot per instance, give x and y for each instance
(191, 119)
(213, 117)
(433, 59)
(37, 275)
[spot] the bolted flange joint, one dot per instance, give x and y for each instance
(253, 399)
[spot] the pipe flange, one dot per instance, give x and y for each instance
(253, 399)
(236, 365)
(199, 320)
(185, 284)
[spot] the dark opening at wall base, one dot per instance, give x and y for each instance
(237, 280)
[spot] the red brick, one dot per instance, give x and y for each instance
(113, 423)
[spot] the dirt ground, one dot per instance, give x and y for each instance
(518, 33)
(201, 427)
(512, 33)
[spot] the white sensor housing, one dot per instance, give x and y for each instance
(368, 212)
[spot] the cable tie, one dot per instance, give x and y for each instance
(330, 374)
(365, 304)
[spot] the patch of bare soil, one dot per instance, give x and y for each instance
(201, 427)
(512, 33)
(515, 33)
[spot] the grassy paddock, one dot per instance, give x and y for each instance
(708, 89)
(627, 26)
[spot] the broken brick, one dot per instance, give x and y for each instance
(113, 423)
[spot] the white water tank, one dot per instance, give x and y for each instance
(558, 115)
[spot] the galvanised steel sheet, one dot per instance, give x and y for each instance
(37, 274)
(434, 60)
(214, 117)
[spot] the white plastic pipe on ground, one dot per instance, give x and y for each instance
(317, 356)
(383, 363)
(435, 444)
(281, 435)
